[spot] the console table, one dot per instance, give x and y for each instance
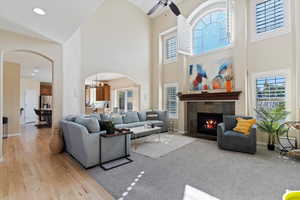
(108, 139)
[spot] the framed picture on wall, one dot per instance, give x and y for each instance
(211, 76)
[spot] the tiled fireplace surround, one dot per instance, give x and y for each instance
(193, 108)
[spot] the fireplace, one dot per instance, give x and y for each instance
(203, 117)
(208, 123)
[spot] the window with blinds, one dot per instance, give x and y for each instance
(271, 91)
(269, 15)
(171, 48)
(171, 100)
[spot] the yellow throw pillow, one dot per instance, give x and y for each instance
(244, 125)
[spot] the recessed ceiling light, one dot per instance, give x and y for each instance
(36, 70)
(33, 74)
(39, 11)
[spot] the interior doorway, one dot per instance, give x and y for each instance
(111, 93)
(27, 84)
(30, 103)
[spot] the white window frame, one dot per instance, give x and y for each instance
(126, 97)
(285, 73)
(167, 85)
(165, 39)
(273, 33)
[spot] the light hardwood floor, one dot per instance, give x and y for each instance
(30, 171)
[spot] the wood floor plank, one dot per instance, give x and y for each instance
(30, 171)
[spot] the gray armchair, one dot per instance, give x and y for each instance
(235, 141)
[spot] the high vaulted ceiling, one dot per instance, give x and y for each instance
(63, 17)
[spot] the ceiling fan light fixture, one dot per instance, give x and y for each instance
(39, 11)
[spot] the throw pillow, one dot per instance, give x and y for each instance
(244, 125)
(117, 119)
(131, 117)
(91, 124)
(97, 116)
(152, 115)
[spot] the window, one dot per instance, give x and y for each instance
(211, 32)
(170, 48)
(269, 15)
(171, 100)
(271, 89)
(269, 18)
(126, 100)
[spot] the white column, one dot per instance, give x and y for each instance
(182, 65)
(240, 51)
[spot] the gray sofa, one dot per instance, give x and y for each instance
(235, 141)
(83, 144)
(136, 119)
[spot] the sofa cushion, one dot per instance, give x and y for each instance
(162, 115)
(142, 116)
(71, 118)
(156, 122)
(96, 115)
(152, 115)
(131, 117)
(91, 124)
(235, 138)
(117, 119)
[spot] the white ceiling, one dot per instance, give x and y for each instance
(30, 62)
(63, 17)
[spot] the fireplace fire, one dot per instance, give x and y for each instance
(208, 123)
(211, 124)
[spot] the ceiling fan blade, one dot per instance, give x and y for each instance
(174, 9)
(152, 10)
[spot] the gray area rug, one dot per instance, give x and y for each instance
(222, 174)
(159, 145)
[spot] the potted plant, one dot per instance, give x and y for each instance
(269, 121)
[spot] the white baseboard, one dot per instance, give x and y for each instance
(14, 135)
(180, 131)
(262, 144)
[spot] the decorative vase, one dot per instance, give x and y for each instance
(229, 86)
(56, 144)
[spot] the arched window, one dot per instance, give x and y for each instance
(210, 32)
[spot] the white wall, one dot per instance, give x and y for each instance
(279, 52)
(117, 38)
(72, 68)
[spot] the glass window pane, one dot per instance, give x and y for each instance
(211, 32)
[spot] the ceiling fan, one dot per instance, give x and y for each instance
(164, 3)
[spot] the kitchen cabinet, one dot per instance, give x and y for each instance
(103, 93)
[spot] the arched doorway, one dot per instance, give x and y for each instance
(24, 74)
(111, 92)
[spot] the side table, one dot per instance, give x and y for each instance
(107, 140)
